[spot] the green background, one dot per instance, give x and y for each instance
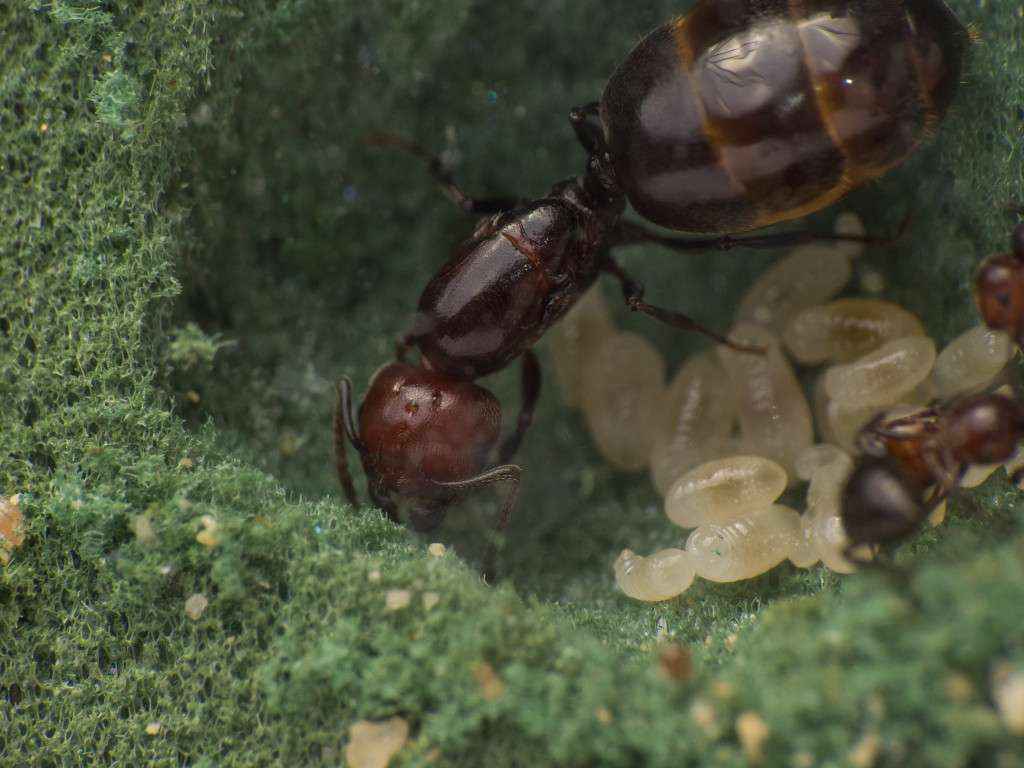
(200, 215)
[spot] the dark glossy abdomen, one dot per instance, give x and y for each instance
(493, 300)
(748, 112)
(419, 427)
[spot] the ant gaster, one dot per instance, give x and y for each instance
(886, 498)
(425, 439)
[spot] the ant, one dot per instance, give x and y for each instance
(999, 288)
(426, 438)
(886, 498)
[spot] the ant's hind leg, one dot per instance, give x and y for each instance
(633, 292)
(530, 389)
(345, 427)
(482, 206)
(506, 473)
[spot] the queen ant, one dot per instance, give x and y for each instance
(887, 498)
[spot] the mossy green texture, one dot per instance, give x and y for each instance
(195, 243)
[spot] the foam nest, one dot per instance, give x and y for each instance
(195, 243)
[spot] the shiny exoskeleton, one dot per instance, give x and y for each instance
(425, 438)
(999, 289)
(887, 496)
(743, 113)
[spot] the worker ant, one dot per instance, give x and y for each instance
(886, 498)
(999, 289)
(425, 439)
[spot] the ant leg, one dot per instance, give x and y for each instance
(633, 292)
(530, 388)
(444, 177)
(588, 130)
(506, 473)
(628, 233)
(853, 553)
(884, 563)
(345, 426)
(913, 425)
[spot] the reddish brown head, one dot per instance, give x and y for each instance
(420, 428)
(999, 288)
(984, 429)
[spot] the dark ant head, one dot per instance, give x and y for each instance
(880, 503)
(599, 187)
(420, 429)
(999, 290)
(985, 429)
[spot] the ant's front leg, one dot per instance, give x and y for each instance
(506, 473)
(633, 292)
(530, 389)
(471, 205)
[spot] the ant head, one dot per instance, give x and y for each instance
(880, 503)
(421, 428)
(600, 187)
(999, 290)
(869, 441)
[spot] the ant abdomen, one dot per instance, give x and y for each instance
(880, 502)
(985, 428)
(420, 428)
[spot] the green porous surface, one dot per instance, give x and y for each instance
(196, 242)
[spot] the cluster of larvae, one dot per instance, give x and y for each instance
(725, 438)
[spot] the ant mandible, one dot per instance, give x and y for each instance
(886, 498)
